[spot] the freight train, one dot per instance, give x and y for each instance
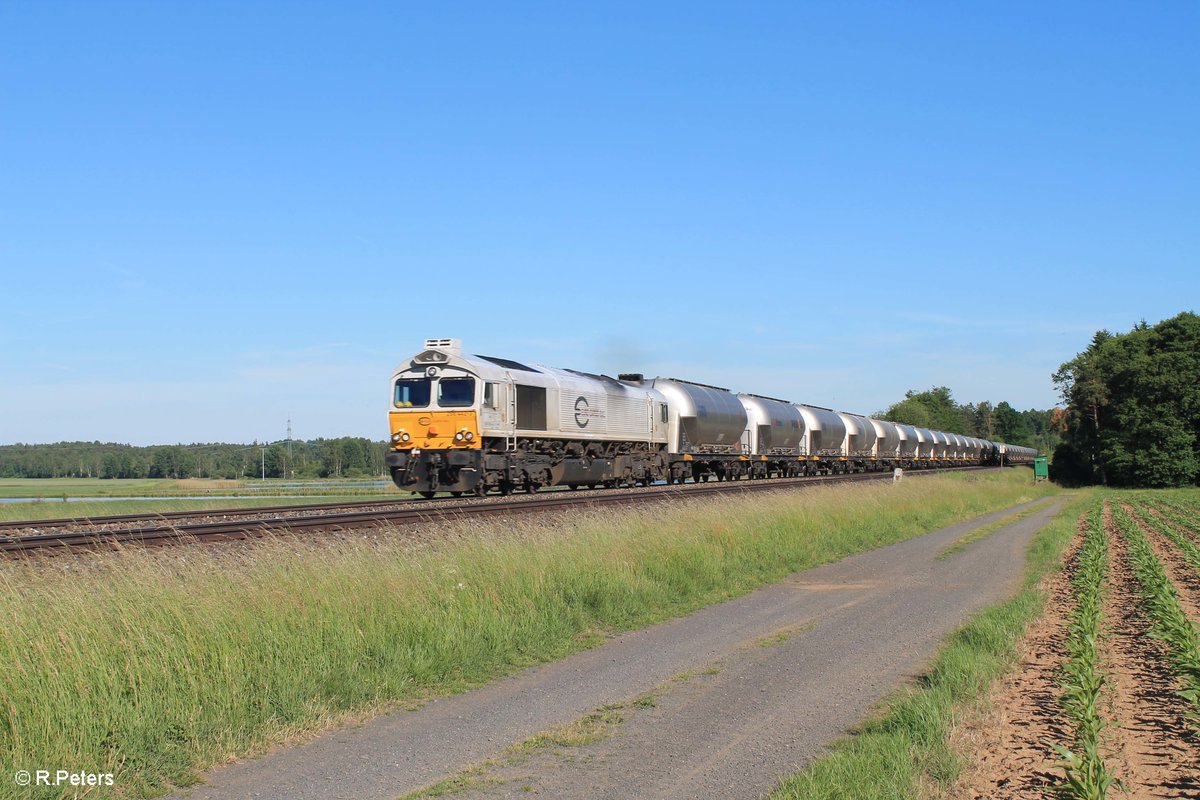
(474, 424)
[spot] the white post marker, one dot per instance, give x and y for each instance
(897, 474)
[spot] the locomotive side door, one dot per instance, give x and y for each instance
(499, 410)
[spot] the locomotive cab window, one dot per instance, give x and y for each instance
(456, 392)
(411, 393)
(490, 395)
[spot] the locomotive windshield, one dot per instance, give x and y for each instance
(412, 393)
(455, 392)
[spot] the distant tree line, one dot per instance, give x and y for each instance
(1133, 407)
(936, 409)
(346, 457)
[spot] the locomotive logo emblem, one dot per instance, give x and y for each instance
(581, 412)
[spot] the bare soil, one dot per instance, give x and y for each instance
(1191, 533)
(1012, 742)
(1151, 747)
(1179, 570)
(1148, 744)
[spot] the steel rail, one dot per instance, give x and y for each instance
(246, 511)
(235, 529)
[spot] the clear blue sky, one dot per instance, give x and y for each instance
(216, 215)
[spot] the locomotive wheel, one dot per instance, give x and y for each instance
(456, 494)
(573, 486)
(428, 495)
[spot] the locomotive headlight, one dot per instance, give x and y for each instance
(470, 436)
(400, 436)
(458, 437)
(396, 438)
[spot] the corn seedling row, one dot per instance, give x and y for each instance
(1186, 515)
(1167, 618)
(1186, 546)
(1087, 776)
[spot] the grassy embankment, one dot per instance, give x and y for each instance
(156, 665)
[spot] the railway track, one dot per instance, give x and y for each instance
(97, 533)
(162, 516)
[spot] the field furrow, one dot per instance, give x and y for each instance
(1105, 700)
(1180, 558)
(1185, 517)
(1016, 743)
(1153, 752)
(1177, 529)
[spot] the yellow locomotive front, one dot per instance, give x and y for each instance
(436, 444)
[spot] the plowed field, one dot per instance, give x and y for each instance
(1106, 699)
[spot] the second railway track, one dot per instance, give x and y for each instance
(100, 533)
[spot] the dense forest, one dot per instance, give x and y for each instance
(347, 457)
(1133, 407)
(937, 409)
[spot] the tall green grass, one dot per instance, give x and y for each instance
(155, 665)
(904, 750)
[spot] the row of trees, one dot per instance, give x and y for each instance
(346, 457)
(936, 409)
(1133, 407)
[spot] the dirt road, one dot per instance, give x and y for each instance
(774, 676)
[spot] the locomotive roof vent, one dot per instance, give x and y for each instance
(438, 351)
(453, 345)
(631, 377)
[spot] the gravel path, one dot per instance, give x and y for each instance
(851, 631)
